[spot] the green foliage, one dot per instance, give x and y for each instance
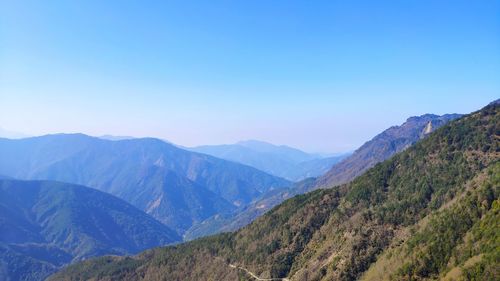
(443, 162)
(433, 247)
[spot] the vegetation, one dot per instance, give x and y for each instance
(441, 243)
(433, 208)
(45, 225)
(382, 147)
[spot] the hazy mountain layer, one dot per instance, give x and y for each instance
(178, 187)
(282, 161)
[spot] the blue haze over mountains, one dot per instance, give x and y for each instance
(177, 187)
(282, 160)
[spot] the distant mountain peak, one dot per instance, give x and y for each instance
(116, 138)
(258, 145)
(252, 141)
(422, 117)
(429, 116)
(279, 160)
(262, 144)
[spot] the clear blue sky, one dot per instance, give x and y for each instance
(318, 75)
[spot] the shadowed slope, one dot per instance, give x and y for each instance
(47, 224)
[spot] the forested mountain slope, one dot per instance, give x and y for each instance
(433, 208)
(383, 146)
(45, 224)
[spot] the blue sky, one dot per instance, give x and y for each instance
(319, 75)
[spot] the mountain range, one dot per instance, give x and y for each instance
(282, 161)
(190, 192)
(178, 187)
(430, 212)
(45, 225)
(384, 145)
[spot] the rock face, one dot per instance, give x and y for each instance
(45, 225)
(178, 187)
(383, 146)
(428, 129)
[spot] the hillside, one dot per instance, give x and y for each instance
(178, 187)
(382, 147)
(245, 215)
(429, 212)
(45, 225)
(282, 161)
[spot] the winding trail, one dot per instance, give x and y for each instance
(257, 277)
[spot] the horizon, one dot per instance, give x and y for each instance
(11, 134)
(108, 137)
(14, 135)
(322, 77)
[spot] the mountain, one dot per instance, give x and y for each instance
(115, 138)
(178, 187)
(317, 167)
(382, 147)
(248, 213)
(282, 161)
(430, 212)
(45, 225)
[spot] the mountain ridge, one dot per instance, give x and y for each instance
(365, 157)
(140, 171)
(279, 160)
(47, 224)
(382, 146)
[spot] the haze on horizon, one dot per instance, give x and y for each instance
(324, 76)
